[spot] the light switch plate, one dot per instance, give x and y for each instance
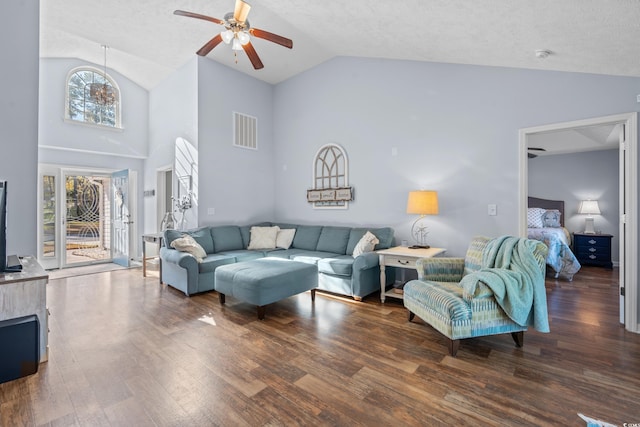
(492, 210)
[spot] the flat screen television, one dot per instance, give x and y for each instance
(13, 263)
(3, 225)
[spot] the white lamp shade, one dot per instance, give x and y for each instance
(589, 207)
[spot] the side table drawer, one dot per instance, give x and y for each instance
(399, 261)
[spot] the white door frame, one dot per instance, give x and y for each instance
(161, 198)
(629, 250)
(60, 171)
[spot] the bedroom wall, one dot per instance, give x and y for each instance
(19, 20)
(409, 125)
(576, 177)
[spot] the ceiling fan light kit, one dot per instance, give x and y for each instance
(238, 33)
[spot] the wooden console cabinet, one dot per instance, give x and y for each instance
(24, 294)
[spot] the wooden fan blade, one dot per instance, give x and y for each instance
(241, 11)
(204, 50)
(198, 16)
(282, 41)
(253, 56)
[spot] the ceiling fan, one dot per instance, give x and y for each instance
(237, 32)
(531, 155)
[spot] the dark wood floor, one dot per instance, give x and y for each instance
(128, 351)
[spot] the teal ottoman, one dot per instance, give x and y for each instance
(266, 280)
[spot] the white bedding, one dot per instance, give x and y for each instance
(561, 233)
(560, 258)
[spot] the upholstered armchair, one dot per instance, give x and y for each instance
(464, 297)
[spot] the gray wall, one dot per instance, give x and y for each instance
(576, 177)
(69, 144)
(197, 103)
(19, 44)
(130, 141)
(237, 182)
(173, 113)
(408, 125)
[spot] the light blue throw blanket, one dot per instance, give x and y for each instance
(512, 272)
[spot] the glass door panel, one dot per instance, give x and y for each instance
(87, 219)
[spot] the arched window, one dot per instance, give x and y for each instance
(82, 103)
(331, 178)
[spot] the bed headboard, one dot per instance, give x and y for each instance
(535, 202)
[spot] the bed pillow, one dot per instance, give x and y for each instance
(534, 217)
(366, 244)
(284, 238)
(551, 218)
(188, 244)
(263, 237)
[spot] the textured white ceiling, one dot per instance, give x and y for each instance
(147, 42)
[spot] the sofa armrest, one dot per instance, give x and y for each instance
(365, 261)
(440, 269)
(183, 259)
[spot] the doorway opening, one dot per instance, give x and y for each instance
(628, 227)
(85, 217)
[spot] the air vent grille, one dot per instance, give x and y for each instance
(245, 131)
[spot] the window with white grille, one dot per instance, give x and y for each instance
(245, 131)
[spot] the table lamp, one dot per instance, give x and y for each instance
(422, 202)
(589, 207)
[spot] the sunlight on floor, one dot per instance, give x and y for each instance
(208, 318)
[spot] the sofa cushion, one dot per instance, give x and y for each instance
(263, 237)
(200, 235)
(445, 299)
(307, 237)
(211, 262)
(243, 254)
(245, 231)
(170, 236)
(473, 258)
(312, 257)
(227, 238)
(284, 239)
(384, 235)
(188, 244)
(204, 239)
(333, 239)
(284, 253)
(340, 266)
(366, 244)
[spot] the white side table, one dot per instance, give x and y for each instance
(402, 257)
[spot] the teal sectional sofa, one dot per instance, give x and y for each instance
(329, 247)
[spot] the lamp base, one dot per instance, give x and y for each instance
(419, 247)
(588, 226)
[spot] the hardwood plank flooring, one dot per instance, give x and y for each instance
(127, 351)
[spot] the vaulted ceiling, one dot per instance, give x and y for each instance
(147, 42)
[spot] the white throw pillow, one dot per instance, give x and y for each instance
(366, 244)
(534, 217)
(188, 244)
(284, 239)
(263, 237)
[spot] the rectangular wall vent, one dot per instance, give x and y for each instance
(245, 131)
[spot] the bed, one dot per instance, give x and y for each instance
(546, 223)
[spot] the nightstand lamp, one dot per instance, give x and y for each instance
(589, 208)
(421, 203)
